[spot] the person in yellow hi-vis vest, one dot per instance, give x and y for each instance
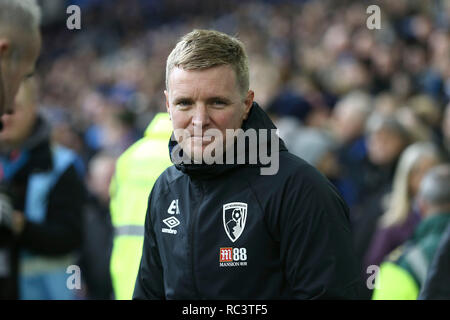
(136, 171)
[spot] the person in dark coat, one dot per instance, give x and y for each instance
(437, 284)
(403, 273)
(42, 232)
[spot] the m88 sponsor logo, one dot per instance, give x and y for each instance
(233, 257)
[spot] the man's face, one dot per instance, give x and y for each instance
(385, 146)
(348, 123)
(199, 100)
(418, 172)
(17, 126)
(14, 70)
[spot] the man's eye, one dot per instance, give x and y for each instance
(28, 76)
(183, 103)
(219, 103)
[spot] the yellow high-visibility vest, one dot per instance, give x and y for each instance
(136, 171)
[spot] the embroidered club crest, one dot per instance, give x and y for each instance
(234, 217)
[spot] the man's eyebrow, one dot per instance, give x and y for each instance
(208, 100)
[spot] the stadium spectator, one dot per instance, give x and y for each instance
(97, 230)
(404, 272)
(385, 142)
(137, 170)
(348, 123)
(400, 219)
(318, 148)
(47, 197)
(437, 285)
(20, 44)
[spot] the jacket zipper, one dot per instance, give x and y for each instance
(194, 215)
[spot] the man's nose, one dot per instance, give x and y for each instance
(201, 116)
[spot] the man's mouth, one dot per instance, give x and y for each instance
(202, 139)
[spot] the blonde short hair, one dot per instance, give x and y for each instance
(401, 198)
(203, 49)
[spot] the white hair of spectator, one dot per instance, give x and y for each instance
(24, 14)
(358, 102)
(435, 186)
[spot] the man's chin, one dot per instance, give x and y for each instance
(196, 153)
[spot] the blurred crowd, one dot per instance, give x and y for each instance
(369, 108)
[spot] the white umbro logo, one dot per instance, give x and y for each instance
(171, 222)
(173, 208)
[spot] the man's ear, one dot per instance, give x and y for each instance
(248, 102)
(166, 94)
(4, 46)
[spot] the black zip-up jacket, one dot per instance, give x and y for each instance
(228, 232)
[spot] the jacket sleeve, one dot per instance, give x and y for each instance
(61, 231)
(315, 240)
(149, 281)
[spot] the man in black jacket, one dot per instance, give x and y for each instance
(44, 191)
(255, 223)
